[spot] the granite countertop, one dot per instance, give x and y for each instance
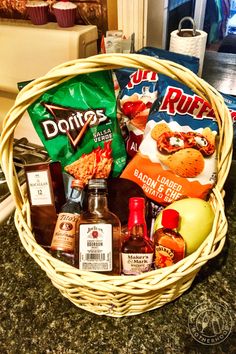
(36, 318)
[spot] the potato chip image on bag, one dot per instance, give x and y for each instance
(177, 157)
(187, 163)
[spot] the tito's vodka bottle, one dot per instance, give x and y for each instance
(63, 241)
(99, 238)
(137, 250)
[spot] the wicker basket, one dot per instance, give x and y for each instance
(119, 296)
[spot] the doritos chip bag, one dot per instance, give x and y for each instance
(177, 157)
(77, 124)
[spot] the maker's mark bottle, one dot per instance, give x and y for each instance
(137, 249)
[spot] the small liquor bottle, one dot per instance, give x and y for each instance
(63, 241)
(99, 238)
(169, 245)
(137, 250)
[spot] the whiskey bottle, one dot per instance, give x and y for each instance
(99, 238)
(169, 245)
(137, 250)
(63, 241)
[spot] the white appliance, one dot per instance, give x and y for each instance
(152, 21)
(28, 52)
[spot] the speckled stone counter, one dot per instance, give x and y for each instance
(35, 318)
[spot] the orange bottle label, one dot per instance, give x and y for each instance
(64, 233)
(163, 257)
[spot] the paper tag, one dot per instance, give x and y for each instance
(39, 187)
(95, 247)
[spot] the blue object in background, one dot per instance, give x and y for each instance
(231, 23)
(176, 3)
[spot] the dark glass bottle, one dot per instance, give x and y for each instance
(63, 241)
(137, 250)
(169, 245)
(99, 238)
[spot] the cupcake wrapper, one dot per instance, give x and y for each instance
(65, 18)
(38, 15)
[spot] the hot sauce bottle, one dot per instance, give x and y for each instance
(169, 245)
(63, 241)
(137, 250)
(99, 238)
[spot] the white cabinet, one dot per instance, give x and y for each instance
(153, 20)
(29, 51)
(156, 23)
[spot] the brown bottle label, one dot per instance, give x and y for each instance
(64, 233)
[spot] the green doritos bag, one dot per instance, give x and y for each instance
(76, 122)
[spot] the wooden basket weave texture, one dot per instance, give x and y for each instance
(119, 296)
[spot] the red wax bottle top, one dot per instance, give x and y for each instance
(170, 218)
(137, 214)
(136, 211)
(136, 203)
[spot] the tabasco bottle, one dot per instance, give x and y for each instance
(63, 241)
(137, 249)
(99, 238)
(169, 245)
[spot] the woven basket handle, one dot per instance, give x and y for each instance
(101, 62)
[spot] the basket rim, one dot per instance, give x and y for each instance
(54, 267)
(133, 285)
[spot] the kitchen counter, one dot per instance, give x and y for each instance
(219, 71)
(36, 318)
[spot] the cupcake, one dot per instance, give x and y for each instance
(37, 12)
(65, 12)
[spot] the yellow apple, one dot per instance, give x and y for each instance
(196, 220)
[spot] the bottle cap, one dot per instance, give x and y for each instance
(136, 203)
(170, 218)
(76, 183)
(137, 214)
(97, 183)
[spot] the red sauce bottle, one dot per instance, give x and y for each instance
(137, 249)
(169, 245)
